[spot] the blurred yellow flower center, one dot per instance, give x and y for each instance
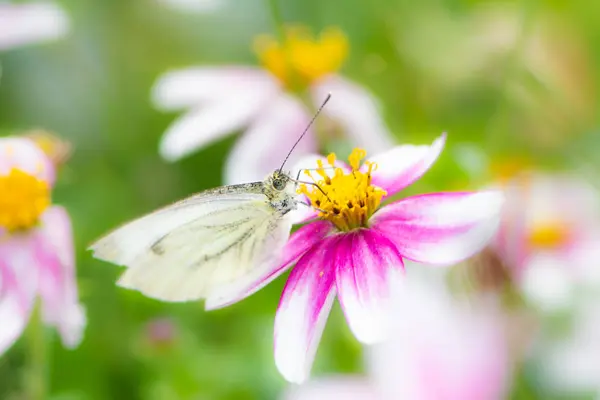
(23, 199)
(347, 199)
(548, 235)
(302, 59)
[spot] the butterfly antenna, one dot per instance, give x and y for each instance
(306, 130)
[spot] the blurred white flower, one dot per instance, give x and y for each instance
(550, 236)
(23, 24)
(276, 103)
(441, 349)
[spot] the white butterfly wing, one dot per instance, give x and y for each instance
(198, 246)
(210, 253)
(123, 245)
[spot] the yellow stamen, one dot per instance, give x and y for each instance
(302, 59)
(23, 199)
(548, 235)
(347, 199)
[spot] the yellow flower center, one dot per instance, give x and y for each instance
(302, 59)
(23, 199)
(347, 199)
(548, 235)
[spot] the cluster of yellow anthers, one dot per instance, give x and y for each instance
(302, 59)
(346, 198)
(24, 198)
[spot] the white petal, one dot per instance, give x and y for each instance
(355, 109)
(402, 165)
(191, 87)
(305, 304)
(265, 145)
(22, 24)
(204, 125)
(547, 283)
(25, 155)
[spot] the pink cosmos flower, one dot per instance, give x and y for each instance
(36, 247)
(353, 248)
(440, 349)
(549, 237)
(22, 24)
(268, 104)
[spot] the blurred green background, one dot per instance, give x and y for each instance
(511, 79)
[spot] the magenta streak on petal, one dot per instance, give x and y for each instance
(10, 285)
(366, 262)
(299, 243)
(303, 309)
(309, 261)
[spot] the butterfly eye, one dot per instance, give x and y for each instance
(279, 183)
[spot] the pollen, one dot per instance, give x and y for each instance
(549, 235)
(23, 198)
(302, 58)
(346, 198)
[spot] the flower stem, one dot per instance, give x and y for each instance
(36, 373)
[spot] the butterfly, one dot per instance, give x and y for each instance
(207, 245)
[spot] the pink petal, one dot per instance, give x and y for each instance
(441, 228)
(510, 241)
(303, 309)
(366, 265)
(25, 155)
(299, 243)
(264, 146)
(441, 348)
(402, 165)
(18, 285)
(192, 87)
(58, 285)
(22, 24)
(341, 387)
(355, 109)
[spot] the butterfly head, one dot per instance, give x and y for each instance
(278, 180)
